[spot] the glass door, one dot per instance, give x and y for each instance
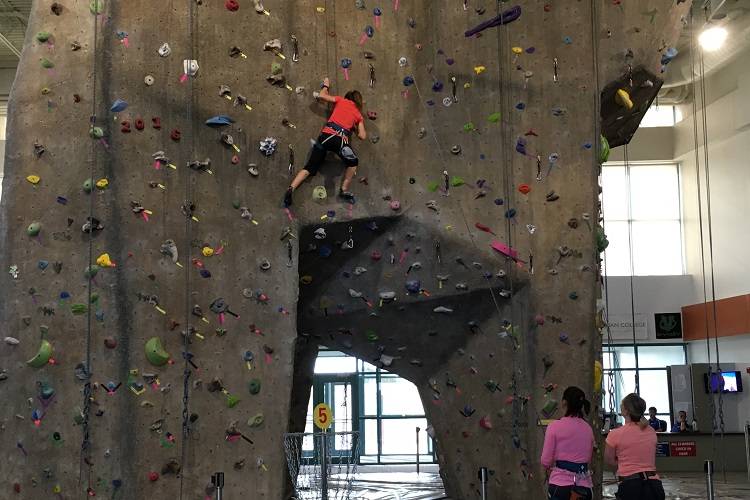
(340, 393)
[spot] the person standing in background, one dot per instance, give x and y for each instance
(568, 446)
(632, 449)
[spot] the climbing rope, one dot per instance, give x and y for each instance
(85, 459)
(186, 372)
(632, 268)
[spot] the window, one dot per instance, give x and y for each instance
(619, 362)
(383, 407)
(661, 116)
(642, 219)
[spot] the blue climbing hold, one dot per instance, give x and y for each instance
(499, 202)
(510, 213)
(205, 273)
(567, 40)
(520, 106)
(118, 105)
(521, 145)
(437, 86)
(43, 264)
(346, 63)
(219, 120)
(377, 11)
(325, 251)
(408, 81)
(413, 286)
(370, 31)
(64, 295)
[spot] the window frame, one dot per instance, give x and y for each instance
(630, 220)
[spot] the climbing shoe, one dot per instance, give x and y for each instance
(288, 198)
(346, 196)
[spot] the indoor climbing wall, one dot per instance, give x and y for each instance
(160, 305)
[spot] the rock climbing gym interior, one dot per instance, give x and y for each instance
(374, 249)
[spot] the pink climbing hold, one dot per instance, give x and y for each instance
(504, 249)
(485, 422)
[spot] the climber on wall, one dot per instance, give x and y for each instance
(344, 120)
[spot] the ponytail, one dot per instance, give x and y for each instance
(576, 402)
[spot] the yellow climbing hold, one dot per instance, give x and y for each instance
(517, 50)
(57, 489)
(623, 99)
(34, 179)
(104, 261)
(479, 69)
(597, 376)
(102, 183)
(320, 10)
(207, 251)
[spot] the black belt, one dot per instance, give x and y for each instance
(639, 475)
(338, 128)
(574, 467)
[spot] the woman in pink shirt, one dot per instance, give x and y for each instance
(632, 449)
(568, 445)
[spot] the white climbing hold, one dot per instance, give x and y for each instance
(442, 310)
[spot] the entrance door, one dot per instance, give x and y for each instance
(340, 393)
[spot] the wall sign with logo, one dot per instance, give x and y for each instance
(668, 325)
(682, 449)
(662, 449)
(621, 326)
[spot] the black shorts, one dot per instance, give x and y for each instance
(332, 143)
(639, 489)
(565, 492)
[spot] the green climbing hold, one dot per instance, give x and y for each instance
(78, 416)
(96, 132)
(276, 68)
(232, 401)
(254, 386)
(236, 204)
(433, 186)
(34, 229)
(78, 309)
(603, 149)
(319, 193)
(46, 63)
(372, 336)
(96, 6)
(43, 36)
(494, 118)
(256, 420)
(88, 185)
(601, 240)
(469, 127)
(155, 352)
(457, 181)
(91, 271)
(43, 355)
(549, 408)
(94, 298)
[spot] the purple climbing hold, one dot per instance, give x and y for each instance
(499, 201)
(205, 273)
(521, 145)
(505, 17)
(408, 81)
(530, 50)
(520, 106)
(413, 286)
(437, 86)
(450, 61)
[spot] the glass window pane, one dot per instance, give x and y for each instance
(335, 362)
(617, 255)
(370, 393)
(614, 193)
(364, 366)
(657, 356)
(618, 357)
(654, 192)
(400, 397)
(399, 436)
(659, 116)
(657, 248)
(654, 389)
(370, 428)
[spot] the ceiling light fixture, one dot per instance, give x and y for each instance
(712, 39)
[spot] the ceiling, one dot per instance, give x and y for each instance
(13, 19)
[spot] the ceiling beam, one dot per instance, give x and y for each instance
(4, 40)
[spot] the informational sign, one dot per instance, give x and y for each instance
(322, 416)
(682, 449)
(621, 326)
(668, 325)
(662, 449)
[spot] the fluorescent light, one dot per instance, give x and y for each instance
(713, 38)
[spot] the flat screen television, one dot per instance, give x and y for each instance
(723, 382)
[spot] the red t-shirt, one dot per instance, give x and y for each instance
(345, 114)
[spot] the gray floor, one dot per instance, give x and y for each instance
(428, 486)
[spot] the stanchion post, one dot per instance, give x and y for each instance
(324, 466)
(218, 481)
(418, 429)
(709, 468)
(483, 479)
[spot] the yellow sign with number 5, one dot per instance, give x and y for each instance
(322, 416)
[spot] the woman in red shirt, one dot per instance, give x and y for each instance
(632, 449)
(344, 120)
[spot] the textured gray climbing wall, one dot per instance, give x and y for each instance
(483, 331)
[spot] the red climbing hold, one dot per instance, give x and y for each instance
(16, 488)
(232, 5)
(175, 135)
(485, 422)
(482, 227)
(153, 476)
(125, 129)
(372, 115)
(156, 122)
(235, 160)
(524, 189)
(376, 255)
(547, 7)
(139, 124)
